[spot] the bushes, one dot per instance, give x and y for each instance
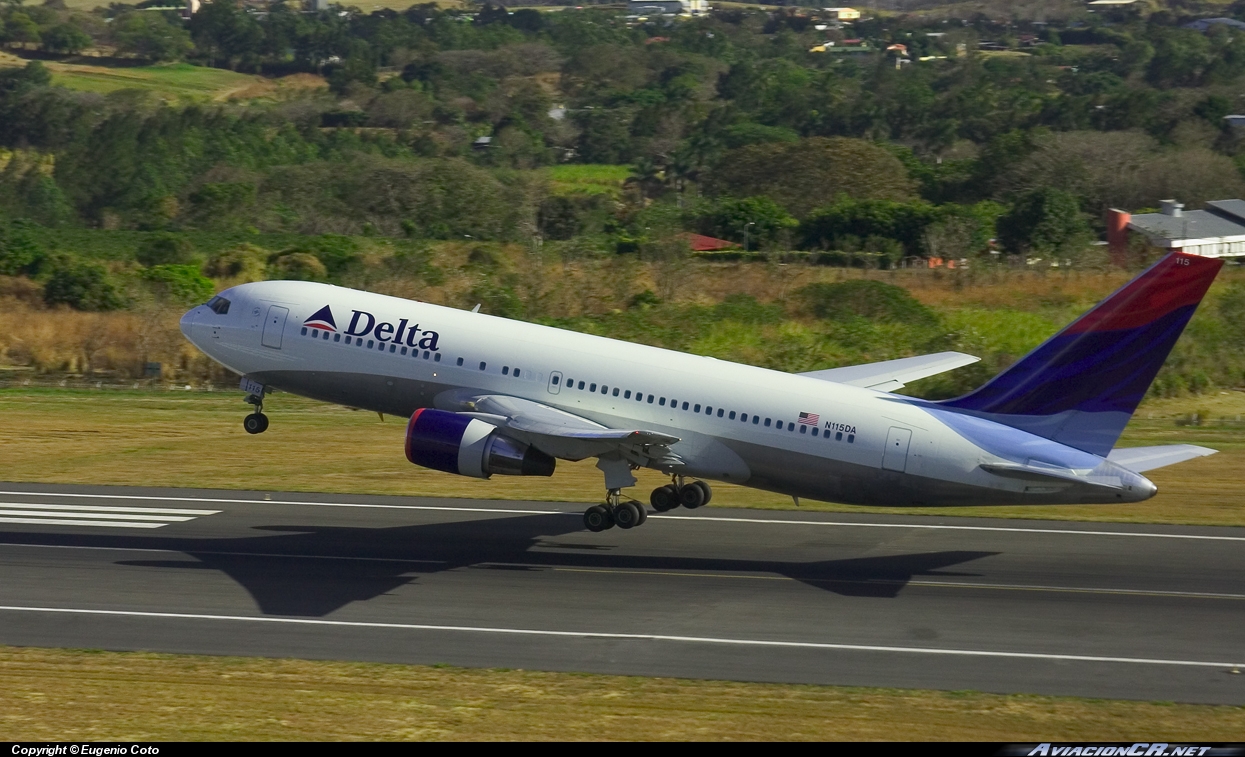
(180, 284)
(165, 249)
(82, 285)
(874, 300)
(299, 266)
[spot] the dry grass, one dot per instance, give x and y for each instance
(195, 439)
(61, 695)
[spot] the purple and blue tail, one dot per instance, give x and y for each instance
(1081, 386)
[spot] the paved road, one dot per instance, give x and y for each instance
(1143, 612)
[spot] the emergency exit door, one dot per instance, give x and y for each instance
(896, 455)
(274, 326)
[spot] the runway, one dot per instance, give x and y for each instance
(1086, 609)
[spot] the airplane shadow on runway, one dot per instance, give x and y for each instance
(313, 571)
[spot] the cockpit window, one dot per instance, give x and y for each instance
(219, 305)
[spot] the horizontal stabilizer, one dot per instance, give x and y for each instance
(889, 375)
(1141, 459)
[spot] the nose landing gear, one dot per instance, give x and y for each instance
(256, 422)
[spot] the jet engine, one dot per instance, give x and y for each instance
(460, 444)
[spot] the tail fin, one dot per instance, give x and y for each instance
(1081, 386)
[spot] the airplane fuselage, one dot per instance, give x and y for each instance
(785, 433)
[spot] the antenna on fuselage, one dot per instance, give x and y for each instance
(476, 309)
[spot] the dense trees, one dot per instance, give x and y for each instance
(434, 120)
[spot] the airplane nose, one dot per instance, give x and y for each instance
(189, 321)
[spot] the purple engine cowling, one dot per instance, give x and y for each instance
(460, 444)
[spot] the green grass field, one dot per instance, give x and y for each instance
(588, 179)
(63, 695)
(195, 439)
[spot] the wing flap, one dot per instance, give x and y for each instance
(1141, 459)
(889, 375)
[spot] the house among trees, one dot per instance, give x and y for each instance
(668, 7)
(1216, 232)
(843, 14)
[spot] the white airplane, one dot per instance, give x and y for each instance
(487, 395)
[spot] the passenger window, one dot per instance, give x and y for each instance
(720, 413)
(757, 419)
(482, 365)
(627, 394)
(791, 427)
(605, 389)
(685, 406)
(304, 331)
(767, 420)
(393, 348)
(505, 370)
(426, 354)
(615, 391)
(838, 436)
(370, 344)
(403, 351)
(694, 410)
(436, 357)
(708, 410)
(661, 401)
(347, 340)
(555, 380)
(592, 388)
(337, 337)
(851, 438)
(516, 372)
(814, 431)
(460, 361)
(732, 415)
(326, 336)
(581, 385)
(639, 396)
(803, 429)
(650, 399)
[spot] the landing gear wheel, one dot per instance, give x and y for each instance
(627, 515)
(255, 423)
(664, 498)
(643, 514)
(692, 496)
(705, 488)
(597, 518)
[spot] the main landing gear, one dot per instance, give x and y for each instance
(675, 493)
(256, 422)
(615, 512)
(629, 514)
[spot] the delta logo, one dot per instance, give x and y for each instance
(364, 324)
(322, 319)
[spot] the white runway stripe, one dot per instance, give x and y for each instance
(828, 646)
(61, 522)
(108, 516)
(673, 518)
(98, 508)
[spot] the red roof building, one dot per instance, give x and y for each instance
(702, 243)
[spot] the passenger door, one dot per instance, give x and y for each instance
(274, 326)
(896, 455)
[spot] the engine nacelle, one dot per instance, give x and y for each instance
(460, 444)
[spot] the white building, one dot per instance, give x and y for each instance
(1217, 232)
(667, 7)
(843, 14)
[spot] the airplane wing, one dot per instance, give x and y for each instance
(889, 375)
(1141, 459)
(566, 435)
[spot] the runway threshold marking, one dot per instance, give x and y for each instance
(95, 515)
(828, 646)
(675, 518)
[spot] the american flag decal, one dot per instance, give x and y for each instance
(810, 419)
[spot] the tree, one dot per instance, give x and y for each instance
(150, 36)
(753, 221)
(224, 31)
(20, 28)
(165, 250)
(1047, 221)
(803, 175)
(179, 284)
(66, 38)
